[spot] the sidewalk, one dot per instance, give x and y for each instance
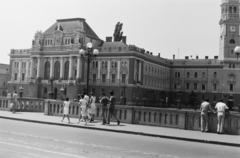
(153, 131)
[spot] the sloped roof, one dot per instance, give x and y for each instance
(114, 44)
(69, 26)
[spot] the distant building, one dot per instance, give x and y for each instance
(128, 70)
(4, 78)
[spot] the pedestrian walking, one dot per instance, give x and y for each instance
(221, 108)
(104, 100)
(205, 107)
(65, 109)
(111, 111)
(15, 101)
(92, 110)
(83, 106)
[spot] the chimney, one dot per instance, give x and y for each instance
(158, 54)
(197, 57)
(108, 39)
(186, 57)
(206, 57)
(124, 39)
(173, 56)
(215, 57)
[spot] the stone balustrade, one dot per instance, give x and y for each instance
(24, 104)
(173, 118)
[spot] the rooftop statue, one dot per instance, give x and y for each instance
(118, 32)
(59, 27)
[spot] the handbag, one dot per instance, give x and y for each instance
(11, 106)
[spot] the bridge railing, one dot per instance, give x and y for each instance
(174, 118)
(24, 104)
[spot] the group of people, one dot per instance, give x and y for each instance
(88, 108)
(221, 109)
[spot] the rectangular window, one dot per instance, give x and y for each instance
(123, 77)
(231, 87)
(113, 78)
(103, 78)
(94, 77)
(75, 73)
(15, 76)
(203, 87)
(214, 98)
(214, 87)
(93, 90)
(187, 86)
(23, 76)
(195, 86)
(175, 86)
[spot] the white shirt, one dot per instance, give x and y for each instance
(221, 107)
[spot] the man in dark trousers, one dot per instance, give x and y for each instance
(112, 108)
(104, 100)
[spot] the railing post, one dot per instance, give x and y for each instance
(46, 107)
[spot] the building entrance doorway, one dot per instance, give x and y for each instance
(230, 102)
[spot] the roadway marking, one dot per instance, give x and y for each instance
(43, 150)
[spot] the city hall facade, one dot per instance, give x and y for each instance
(130, 71)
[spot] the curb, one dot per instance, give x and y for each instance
(127, 132)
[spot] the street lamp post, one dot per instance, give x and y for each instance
(21, 91)
(237, 51)
(88, 55)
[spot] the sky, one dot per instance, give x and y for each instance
(180, 27)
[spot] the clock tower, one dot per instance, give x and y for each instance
(229, 29)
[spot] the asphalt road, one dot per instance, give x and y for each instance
(32, 140)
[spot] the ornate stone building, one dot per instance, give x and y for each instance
(126, 69)
(4, 78)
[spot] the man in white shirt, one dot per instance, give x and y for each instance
(205, 107)
(221, 107)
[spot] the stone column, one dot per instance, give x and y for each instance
(139, 71)
(70, 67)
(51, 67)
(38, 67)
(78, 67)
(61, 68)
(99, 67)
(31, 69)
(27, 67)
(108, 73)
(20, 69)
(118, 70)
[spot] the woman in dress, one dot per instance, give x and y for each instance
(65, 109)
(83, 106)
(92, 110)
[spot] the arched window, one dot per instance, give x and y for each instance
(195, 74)
(226, 10)
(93, 64)
(235, 10)
(232, 41)
(178, 74)
(188, 74)
(215, 75)
(203, 75)
(230, 9)
(66, 70)
(102, 64)
(57, 70)
(175, 74)
(47, 70)
(115, 64)
(106, 64)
